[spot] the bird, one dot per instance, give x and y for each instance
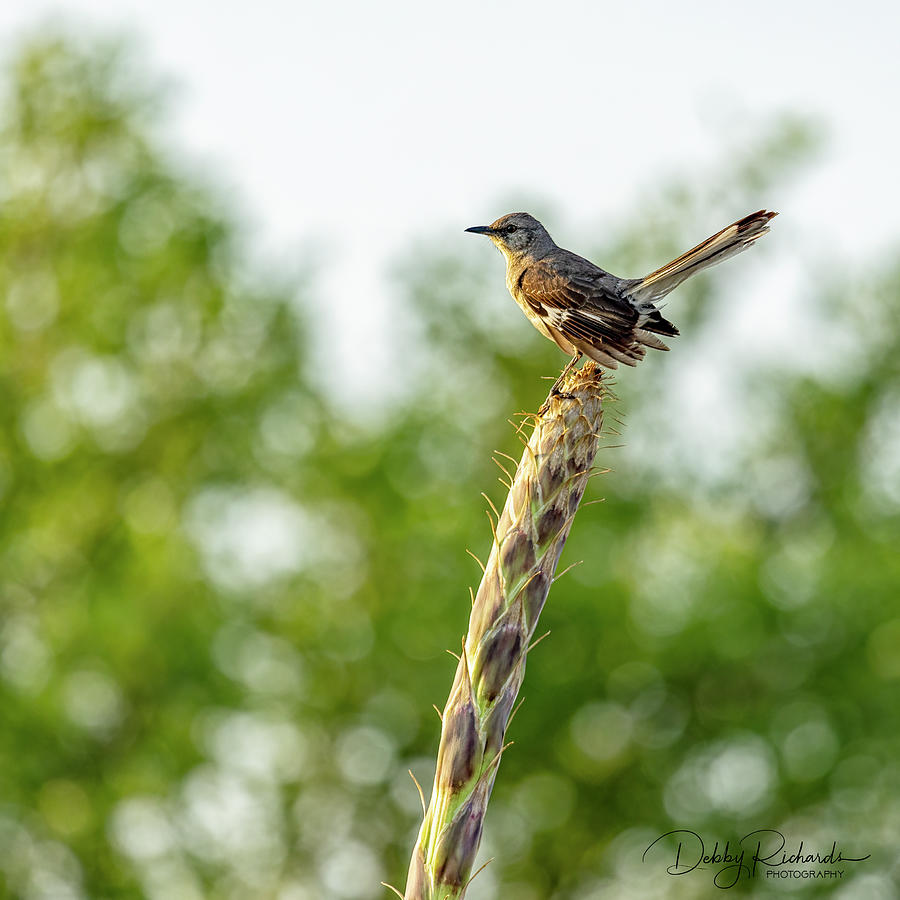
(585, 310)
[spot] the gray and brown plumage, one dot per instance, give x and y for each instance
(586, 310)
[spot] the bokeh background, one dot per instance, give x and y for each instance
(252, 375)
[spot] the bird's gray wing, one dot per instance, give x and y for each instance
(579, 300)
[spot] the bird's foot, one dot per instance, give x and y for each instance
(557, 393)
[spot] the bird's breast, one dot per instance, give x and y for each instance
(535, 313)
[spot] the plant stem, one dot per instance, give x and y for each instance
(528, 539)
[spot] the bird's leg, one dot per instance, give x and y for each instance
(569, 365)
(555, 391)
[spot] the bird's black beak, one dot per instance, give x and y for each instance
(481, 229)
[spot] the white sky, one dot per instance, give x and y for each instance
(361, 126)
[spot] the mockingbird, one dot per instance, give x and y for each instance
(584, 309)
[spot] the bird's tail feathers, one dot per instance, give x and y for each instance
(721, 246)
(651, 340)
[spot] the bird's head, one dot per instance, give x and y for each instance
(516, 235)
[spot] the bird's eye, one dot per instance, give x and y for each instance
(511, 229)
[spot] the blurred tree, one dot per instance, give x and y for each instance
(224, 607)
(154, 426)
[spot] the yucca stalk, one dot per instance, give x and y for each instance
(528, 539)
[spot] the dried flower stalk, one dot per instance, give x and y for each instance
(528, 540)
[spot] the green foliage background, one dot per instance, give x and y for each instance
(225, 605)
